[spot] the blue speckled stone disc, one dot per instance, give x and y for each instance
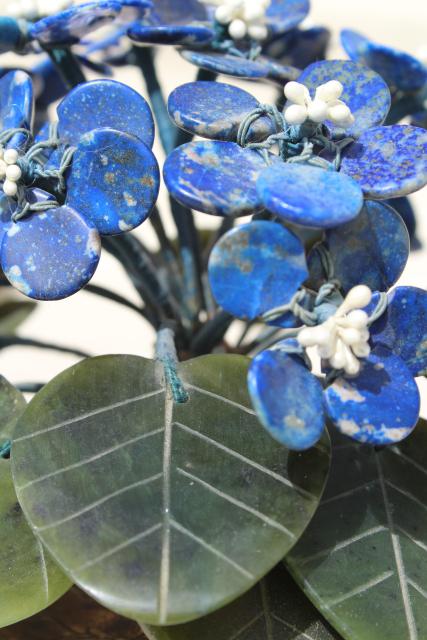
(214, 177)
(309, 196)
(372, 249)
(113, 181)
(399, 69)
(69, 26)
(380, 406)
(104, 103)
(215, 110)
(388, 162)
(287, 398)
(51, 255)
(16, 105)
(177, 11)
(255, 268)
(365, 92)
(403, 328)
(188, 35)
(283, 15)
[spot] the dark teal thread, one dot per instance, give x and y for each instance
(222, 42)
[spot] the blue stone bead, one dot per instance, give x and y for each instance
(372, 249)
(388, 162)
(308, 195)
(50, 255)
(256, 267)
(365, 92)
(177, 12)
(406, 212)
(188, 35)
(399, 69)
(288, 399)
(380, 405)
(16, 105)
(113, 181)
(403, 328)
(215, 110)
(69, 26)
(104, 103)
(214, 177)
(283, 15)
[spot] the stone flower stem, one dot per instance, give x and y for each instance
(67, 65)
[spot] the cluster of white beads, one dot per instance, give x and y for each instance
(31, 9)
(242, 17)
(325, 106)
(344, 337)
(10, 172)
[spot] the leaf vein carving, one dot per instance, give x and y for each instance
(361, 589)
(237, 405)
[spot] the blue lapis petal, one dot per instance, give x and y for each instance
(380, 405)
(104, 103)
(215, 110)
(365, 92)
(215, 177)
(403, 328)
(283, 15)
(51, 255)
(399, 69)
(406, 212)
(372, 249)
(16, 105)
(69, 26)
(309, 196)
(287, 398)
(133, 10)
(256, 267)
(388, 162)
(7, 208)
(177, 12)
(188, 35)
(113, 181)
(299, 47)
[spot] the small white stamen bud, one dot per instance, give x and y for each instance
(237, 29)
(13, 172)
(296, 114)
(10, 188)
(10, 156)
(325, 105)
(242, 17)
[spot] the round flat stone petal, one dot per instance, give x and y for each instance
(171, 34)
(16, 105)
(230, 65)
(177, 11)
(51, 255)
(133, 10)
(207, 176)
(365, 92)
(309, 196)
(372, 249)
(255, 268)
(105, 103)
(299, 47)
(7, 208)
(215, 110)
(403, 328)
(283, 15)
(407, 213)
(69, 26)
(113, 181)
(288, 399)
(388, 162)
(399, 69)
(380, 406)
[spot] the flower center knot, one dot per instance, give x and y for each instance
(326, 104)
(344, 337)
(243, 18)
(10, 171)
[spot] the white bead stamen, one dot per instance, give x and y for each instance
(32, 9)
(10, 172)
(344, 337)
(244, 18)
(325, 106)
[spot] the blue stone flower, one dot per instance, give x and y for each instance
(331, 148)
(370, 347)
(222, 38)
(92, 173)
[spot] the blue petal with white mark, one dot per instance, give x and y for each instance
(283, 15)
(69, 26)
(188, 35)
(105, 103)
(308, 195)
(372, 249)
(365, 92)
(16, 105)
(51, 255)
(207, 176)
(215, 110)
(113, 181)
(379, 406)
(388, 162)
(399, 69)
(256, 267)
(403, 328)
(277, 384)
